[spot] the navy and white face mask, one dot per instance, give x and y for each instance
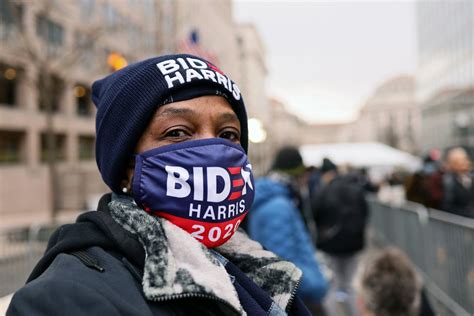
(206, 187)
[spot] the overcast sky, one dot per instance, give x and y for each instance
(326, 57)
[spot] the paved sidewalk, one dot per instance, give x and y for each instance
(4, 302)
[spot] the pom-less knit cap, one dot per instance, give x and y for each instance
(288, 160)
(328, 165)
(127, 100)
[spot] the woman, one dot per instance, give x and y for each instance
(171, 144)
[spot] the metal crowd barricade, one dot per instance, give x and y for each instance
(20, 250)
(440, 244)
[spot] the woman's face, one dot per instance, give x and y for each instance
(198, 118)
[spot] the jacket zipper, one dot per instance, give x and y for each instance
(137, 276)
(196, 295)
(292, 296)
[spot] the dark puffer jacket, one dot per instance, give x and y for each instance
(341, 214)
(94, 267)
(458, 199)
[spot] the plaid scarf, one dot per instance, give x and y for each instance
(177, 265)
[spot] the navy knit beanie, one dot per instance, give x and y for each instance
(127, 100)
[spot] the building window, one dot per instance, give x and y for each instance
(86, 147)
(49, 31)
(133, 33)
(112, 17)
(10, 13)
(150, 9)
(83, 100)
(6, 14)
(50, 91)
(84, 44)
(87, 8)
(8, 82)
(11, 147)
(58, 147)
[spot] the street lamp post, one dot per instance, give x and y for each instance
(258, 136)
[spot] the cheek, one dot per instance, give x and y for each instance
(146, 141)
(130, 172)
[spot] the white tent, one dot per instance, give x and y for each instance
(370, 155)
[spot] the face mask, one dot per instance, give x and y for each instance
(203, 186)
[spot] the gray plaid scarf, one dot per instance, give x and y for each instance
(176, 264)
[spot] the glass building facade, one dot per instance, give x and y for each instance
(445, 77)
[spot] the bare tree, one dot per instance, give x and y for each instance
(50, 58)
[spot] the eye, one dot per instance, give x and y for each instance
(231, 135)
(177, 133)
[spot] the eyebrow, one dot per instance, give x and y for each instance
(228, 116)
(177, 111)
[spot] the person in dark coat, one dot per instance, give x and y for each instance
(426, 186)
(458, 184)
(340, 212)
(171, 142)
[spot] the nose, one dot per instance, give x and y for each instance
(207, 128)
(206, 133)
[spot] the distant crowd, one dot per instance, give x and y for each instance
(299, 211)
(443, 183)
(316, 218)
